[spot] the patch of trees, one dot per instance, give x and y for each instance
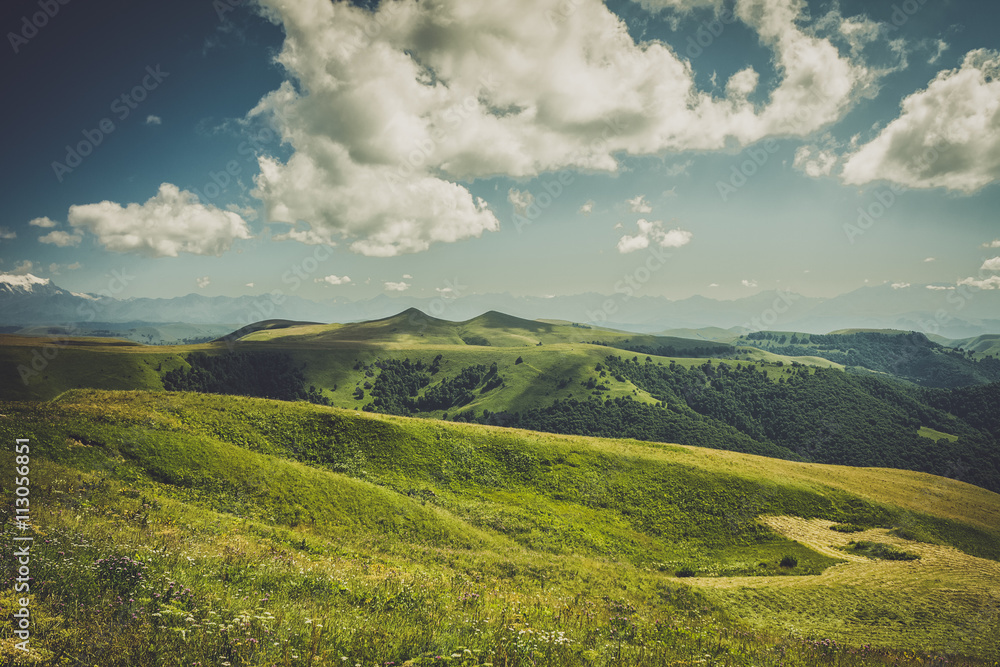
(819, 415)
(911, 356)
(260, 374)
(397, 387)
(698, 351)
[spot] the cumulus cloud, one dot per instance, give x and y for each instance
(992, 244)
(520, 200)
(993, 282)
(250, 284)
(23, 268)
(153, 120)
(653, 232)
(748, 283)
(397, 287)
(388, 113)
(61, 238)
(900, 285)
(678, 168)
(587, 208)
(204, 282)
(930, 259)
(334, 280)
(941, 288)
(44, 222)
(6, 234)
(946, 135)
(639, 204)
(992, 264)
(940, 46)
(815, 162)
(172, 222)
(407, 276)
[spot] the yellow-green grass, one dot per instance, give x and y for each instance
(403, 536)
(931, 434)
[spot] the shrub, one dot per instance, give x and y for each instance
(685, 572)
(880, 550)
(789, 561)
(846, 528)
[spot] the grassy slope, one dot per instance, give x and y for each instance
(376, 501)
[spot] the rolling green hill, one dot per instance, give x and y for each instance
(910, 356)
(225, 529)
(546, 377)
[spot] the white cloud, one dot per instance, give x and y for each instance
(153, 120)
(587, 208)
(203, 282)
(407, 276)
(249, 284)
(930, 259)
(639, 204)
(397, 287)
(714, 285)
(44, 222)
(945, 136)
(683, 6)
(940, 288)
(992, 244)
(993, 282)
(992, 264)
(520, 200)
(6, 234)
(169, 223)
(61, 238)
(940, 47)
(334, 280)
(678, 168)
(245, 212)
(815, 162)
(384, 124)
(748, 283)
(23, 268)
(900, 285)
(653, 232)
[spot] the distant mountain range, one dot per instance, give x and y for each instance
(26, 300)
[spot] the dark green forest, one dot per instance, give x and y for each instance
(910, 356)
(818, 415)
(260, 374)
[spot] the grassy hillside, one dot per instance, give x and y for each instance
(262, 532)
(530, 376)
(910, 356)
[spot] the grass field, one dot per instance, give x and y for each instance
(267, 533)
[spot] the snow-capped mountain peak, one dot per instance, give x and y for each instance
(26, 282)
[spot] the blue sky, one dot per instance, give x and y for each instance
(542, 147)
